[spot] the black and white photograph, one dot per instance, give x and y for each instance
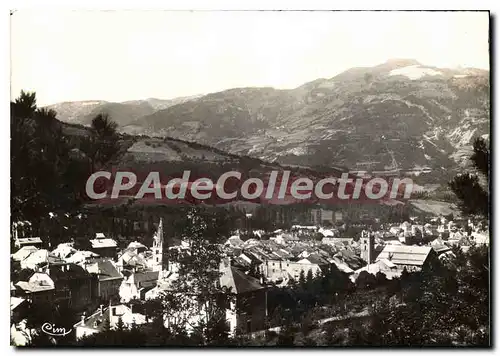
(238, 179)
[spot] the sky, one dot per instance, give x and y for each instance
(132, 55)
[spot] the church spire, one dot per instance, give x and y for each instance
(159, 234)
(158, 250)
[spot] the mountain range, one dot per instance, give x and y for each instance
(396, 116)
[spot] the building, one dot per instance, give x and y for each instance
(81, 257)
(20, 229)
(64, 250)
(39, 288)
(279, 270)
(137, 247)
(28, 241)
(108, 316)
(73, 285)
(137, 284)
(413, 258)
(384, 266)
(481, 238)
(348, 241)
(40, 258)
(23, 253)
(131, 260)
(322, 216)
(103, 246)
(158, 263)
(19, 308)
(107, 281)
(248, 306)
(367, 242)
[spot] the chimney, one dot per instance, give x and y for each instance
(100, 309)
(83, 319)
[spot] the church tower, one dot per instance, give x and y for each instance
(367, 246)
(158, 248)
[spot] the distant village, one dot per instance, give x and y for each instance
(103, 281)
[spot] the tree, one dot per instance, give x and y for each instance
(197, 290)
(47, 176)
(38, 160)
(366, 280)
(309, 278)
(474, 196)
(102, 145)
(119, 325)
(302, 279)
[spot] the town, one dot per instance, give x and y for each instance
(106, 285)
(250, 179)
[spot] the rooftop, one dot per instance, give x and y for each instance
(238, 281)
(104, 269)
(103, 243)
(405, 255)
(28, 241)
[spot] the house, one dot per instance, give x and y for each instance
(23, 253)
(108, 279)
(413, 258)
(440, 248)
(131, 259)
(319, 216)
(278, 270)
(459, 239)
(97, 322)
(81, 257)
(39, 258)
(395, 230)
(18, 309)
(335, 240)
(28, 241)
(342, 266)
(103, 246)
(20, 229)
(92, 324)
(20, 333)
(73, 284)
(481, 238)
(406, 227)
(245, 311)
(128, 317)
(164, 284)
(384, 266)
(135, 285)
(273, 269)
(350, 258)
(39, 288)
(234, 242)
(137, 247)
(64, 250)
(248, 306)
(299, 230)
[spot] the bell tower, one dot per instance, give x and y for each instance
(367, 246)
(158, 248)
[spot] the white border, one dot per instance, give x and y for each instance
(194, 5)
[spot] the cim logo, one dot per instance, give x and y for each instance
(51, 329)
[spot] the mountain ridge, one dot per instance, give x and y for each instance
(396, 115)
